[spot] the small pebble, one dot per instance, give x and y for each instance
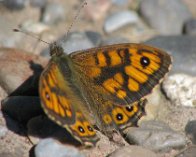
(120, 19)
(50, 148)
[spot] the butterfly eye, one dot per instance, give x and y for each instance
(119, 116)
(144, 61)
(81, 129)
(129, 108)
(90, 128)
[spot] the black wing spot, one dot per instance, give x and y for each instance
(144, 61)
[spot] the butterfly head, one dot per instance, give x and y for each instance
(56, 49)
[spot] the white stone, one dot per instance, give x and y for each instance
(181, 90)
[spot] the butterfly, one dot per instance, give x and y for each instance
(104, 86)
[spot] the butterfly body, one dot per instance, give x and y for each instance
(102, 86)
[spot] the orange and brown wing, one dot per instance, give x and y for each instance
(62, 104)
(123, 73)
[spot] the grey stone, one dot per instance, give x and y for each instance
(53, 13)
(190, 130)
(166, 16)
(50, 148)
(182, 49)
(157, 139)
(15, 4)
(132, 151)
(190, 27)
(120, 19)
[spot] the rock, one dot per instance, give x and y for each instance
(53, 13)
(190, 130)
(182, 49)
(119, 20)
(15, 4)
(132, 151)
(189, 152)
(22, 108)
(181, 90)
(190, 27)
(50, 148)
(165, 16)
(20, 72)
(156, 136)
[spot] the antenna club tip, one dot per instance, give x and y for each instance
(15, 30)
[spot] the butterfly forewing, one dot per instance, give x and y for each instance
(61, 102)
(123, 73)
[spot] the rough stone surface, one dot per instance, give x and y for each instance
(181, 90)
(156, 136)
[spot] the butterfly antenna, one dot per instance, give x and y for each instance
(75, 17)
(31, 35)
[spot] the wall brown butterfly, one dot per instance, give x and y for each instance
(102, 86)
